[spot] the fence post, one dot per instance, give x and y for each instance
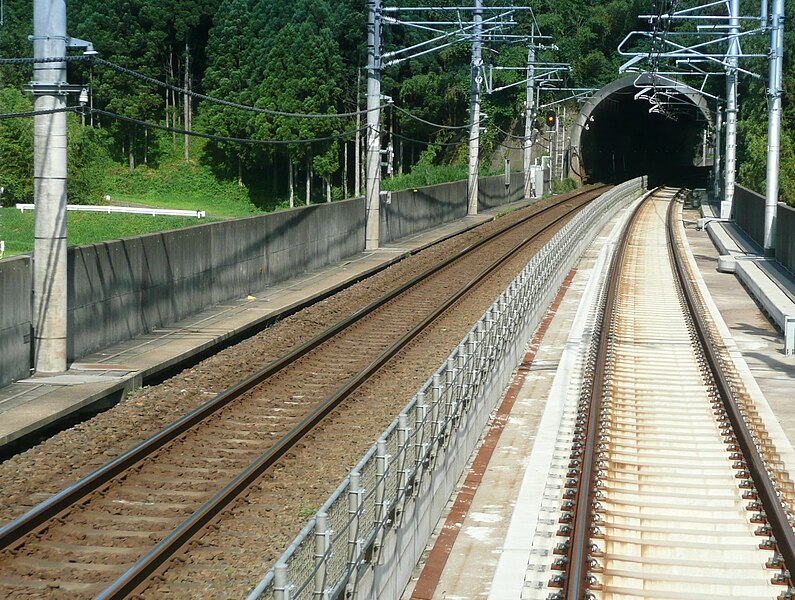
(436, 398)
(402, 473)
(419, 426)
(281, 585)
(380, 493)
(321, 546)
(354, 520)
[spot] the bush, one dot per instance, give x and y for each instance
(16, 148)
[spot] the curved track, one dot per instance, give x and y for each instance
(669, 495)
(112, 531)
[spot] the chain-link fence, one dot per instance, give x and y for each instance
(348, 533)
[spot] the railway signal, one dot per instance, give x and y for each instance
(551, 119)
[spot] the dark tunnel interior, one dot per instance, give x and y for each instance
(623, 140)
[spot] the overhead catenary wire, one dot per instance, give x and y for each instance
(222, 138)
(175, 88)
(35, 113)
(431, 123)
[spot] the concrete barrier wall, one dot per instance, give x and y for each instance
(492, 191)
(749, 213)
(408, 211)
(15, 319)
(122, 288)
(785, 236)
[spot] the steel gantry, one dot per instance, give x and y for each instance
(472, 24)
(712, 46)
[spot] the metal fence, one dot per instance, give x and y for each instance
(348, 533)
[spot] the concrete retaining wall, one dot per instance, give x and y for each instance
(749, 213)
(15, 318)
(785, 236)
(122, 288)
(408, 211)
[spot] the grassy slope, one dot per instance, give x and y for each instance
(16, 228)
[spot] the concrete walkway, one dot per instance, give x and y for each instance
(504, 542)
(101, 379)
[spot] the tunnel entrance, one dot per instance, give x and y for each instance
(615, 137)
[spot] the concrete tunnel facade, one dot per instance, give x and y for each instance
(616, 137)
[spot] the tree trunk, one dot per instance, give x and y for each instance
(345, 169)
(400, 157)
(357, 186)
(146, 143)
(328, 188)
(308, 179)
(172, 96)
(290, 183)
(239, 172)
(187, 102)
(130, 151)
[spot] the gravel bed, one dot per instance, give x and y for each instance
(228, 561)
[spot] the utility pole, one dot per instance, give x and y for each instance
(474, 110)
(732, 62)
(774, 124)
(373, 173)
(529, 110)
(717, 152)
(49, 188)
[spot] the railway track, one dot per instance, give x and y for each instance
(110, 533)
(669, 494)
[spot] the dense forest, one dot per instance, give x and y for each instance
(302, 56)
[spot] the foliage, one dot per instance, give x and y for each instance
(88, 162)
(16, 149)
(567, 185)
(176, 184)
(304, 56)
(16, 228)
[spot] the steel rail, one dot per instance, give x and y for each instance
(578, 558)
(137, 577)
(774, 512)
(11, 534)
(576, 582)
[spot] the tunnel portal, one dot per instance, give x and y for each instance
(616, 137)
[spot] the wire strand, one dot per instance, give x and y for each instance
(246, 107)
(426, 142)
(221, 138)
(432, 124)
(174, 88)
(35, 113)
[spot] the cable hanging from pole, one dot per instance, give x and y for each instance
(35, 113)
(246, 107)
(221, 138)
(175, 88)
(431, 123)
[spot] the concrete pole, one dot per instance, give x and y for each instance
(373, 169)
(774, 124)
(732, 60)
(562, 142)
(529, 114)
(717, 157)
(49, 189)
(474, 110)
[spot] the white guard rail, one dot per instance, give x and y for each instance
(368, 536)
(134, 210)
